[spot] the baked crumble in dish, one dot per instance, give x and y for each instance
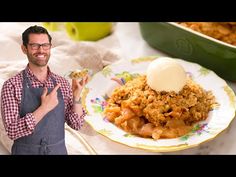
(223, 31)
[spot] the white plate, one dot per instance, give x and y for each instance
(101, 85)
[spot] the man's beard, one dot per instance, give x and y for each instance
(38, 62)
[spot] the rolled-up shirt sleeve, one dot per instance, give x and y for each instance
(15, 125)
(73, 119)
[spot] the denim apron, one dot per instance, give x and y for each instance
(48, 137)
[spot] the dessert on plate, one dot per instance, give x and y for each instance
(163, 103)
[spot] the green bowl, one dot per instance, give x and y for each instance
(184, 43)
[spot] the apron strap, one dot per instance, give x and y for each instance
(27, 83)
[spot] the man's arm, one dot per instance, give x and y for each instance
(74, 111)
(15, 126)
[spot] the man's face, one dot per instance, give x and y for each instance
(38, 49)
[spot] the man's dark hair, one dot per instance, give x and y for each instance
(35, 30)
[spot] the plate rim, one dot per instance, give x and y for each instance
(171, 148)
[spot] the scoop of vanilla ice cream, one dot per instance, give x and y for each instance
(166, 74)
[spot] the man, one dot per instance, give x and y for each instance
(36, 103)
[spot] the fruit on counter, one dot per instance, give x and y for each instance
(88, 31)
(53, 26)
(166, 74)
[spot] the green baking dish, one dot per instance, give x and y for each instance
(181, 42)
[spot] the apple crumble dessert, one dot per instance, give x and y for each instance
(139, 110)
(78, 74)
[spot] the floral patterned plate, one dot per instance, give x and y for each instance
(102, 83)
